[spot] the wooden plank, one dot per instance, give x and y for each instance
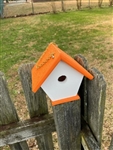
(7, 110)
(23, 130)
(92, 95)
(111, 144)
(88, 140)
(96, 103)
(46, 137)
(37, 104)
(68, 125)
(21, 145)
(83, 88)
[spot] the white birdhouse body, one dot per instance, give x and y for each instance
(63, 82)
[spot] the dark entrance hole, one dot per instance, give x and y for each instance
(62, 78)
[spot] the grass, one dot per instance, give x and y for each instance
(23, 39)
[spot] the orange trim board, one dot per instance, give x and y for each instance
(65, 100)
(40, 74)
(73, 63)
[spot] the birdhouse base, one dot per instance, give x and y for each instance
(65, 100)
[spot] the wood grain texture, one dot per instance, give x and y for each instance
(37, 104)
(20, 146)
(88, 140)
(7, 111)
(23, 130)
(68, 125)
(93, 95)
(83, 88)
(96, 103)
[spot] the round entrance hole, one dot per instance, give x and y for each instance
(62, 78)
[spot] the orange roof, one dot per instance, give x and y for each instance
(47, 62)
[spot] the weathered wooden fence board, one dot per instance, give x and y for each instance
(96, 103)
(23, 130)
(7, 112)
(37, 104)
(68, 125)
(83, 88)
(20, 146)
(93, 95)
(87, 138)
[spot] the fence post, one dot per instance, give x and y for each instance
(93, 95)
(83, 88)
(68, 125)
(62, 6)
(53, 5)
(1, 8)
(96, 103)
(32, 7)
(8, 112)
(37, 104)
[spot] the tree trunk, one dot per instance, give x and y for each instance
(53, 6)
(62, 5)
(110, 3)
(89, 3)
(79, 4)
(100, 3)
(32, 7)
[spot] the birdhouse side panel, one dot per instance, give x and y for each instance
(63, 82)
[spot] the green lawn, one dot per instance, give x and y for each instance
(86, 32)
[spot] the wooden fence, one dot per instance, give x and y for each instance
(20, 8)
(78, 123)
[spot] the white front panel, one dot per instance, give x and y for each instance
(67, 87)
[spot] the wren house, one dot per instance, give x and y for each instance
(59, 75)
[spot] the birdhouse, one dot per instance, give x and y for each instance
(59, 75)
